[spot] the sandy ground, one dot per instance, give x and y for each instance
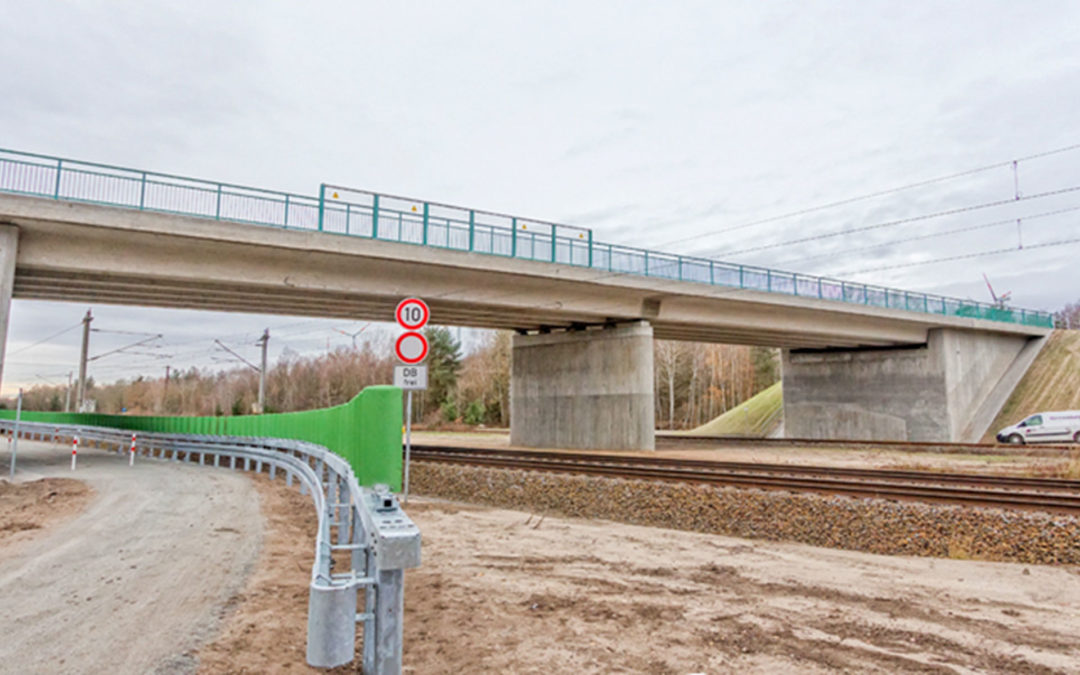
(511, 592)
(265, 629)
(29, 508)
(538, 595)
(137, 580)
(855, 457)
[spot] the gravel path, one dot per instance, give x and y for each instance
(137, 581)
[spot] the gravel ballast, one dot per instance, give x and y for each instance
(871, 525)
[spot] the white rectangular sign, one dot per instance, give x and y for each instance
(410, 377)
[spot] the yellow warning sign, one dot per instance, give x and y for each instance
(335, 195)
(414, 208)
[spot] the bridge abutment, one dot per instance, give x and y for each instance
(586, 389)
(9, 249)
(939, 391)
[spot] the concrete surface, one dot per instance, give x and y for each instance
(9, 244)
(84, 252)
(933, 392)
(136, 582)
(584, 389)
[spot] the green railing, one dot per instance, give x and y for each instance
(361, 213)
(366, 431)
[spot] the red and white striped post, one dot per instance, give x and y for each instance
(131, 456)
(74, 450)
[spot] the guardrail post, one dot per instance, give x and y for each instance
(768, 280)
(285, 223)
(712, 272)
(679, 263)
(424, 237)
(795, 282)
(554, 237)
(590, 248)
(374, 216)
(217, 211)
(646, 263)
(142, 191)
(865, 295)
(348, 217)
(819, 293)
(741, 270)
(59, 169)
(513, 237)
(389, 628)
(322, 204)
(472, 229)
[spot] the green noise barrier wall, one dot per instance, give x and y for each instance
(366, 431)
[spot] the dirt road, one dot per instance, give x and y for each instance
(137, 581)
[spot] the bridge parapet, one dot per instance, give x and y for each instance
(361, 213)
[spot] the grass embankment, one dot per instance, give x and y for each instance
(1051, 383)
(755, 417)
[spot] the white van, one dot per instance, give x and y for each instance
(1044, 427)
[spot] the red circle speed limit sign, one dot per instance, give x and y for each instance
(412, 314)
(411, 347)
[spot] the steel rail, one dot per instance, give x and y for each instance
(718, 466)
(924, 486)
(376, 537)
(915, 446)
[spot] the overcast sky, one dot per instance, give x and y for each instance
(664, 125)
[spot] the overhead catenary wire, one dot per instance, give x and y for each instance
(905, 221)
(44, 340)
(932, 235)
(964, 256)
(880, 193)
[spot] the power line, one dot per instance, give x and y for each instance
(904, 221)
(873, 195)
(932, 235)
(44, 340)
(964, 256)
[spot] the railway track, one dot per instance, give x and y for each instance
(1044, 449)
(1047, 494)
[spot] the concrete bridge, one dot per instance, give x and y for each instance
(859, 361)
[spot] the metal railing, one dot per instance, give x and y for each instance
(362, 213)
(365, 527)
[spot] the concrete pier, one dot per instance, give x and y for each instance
(937, 391)
(9, 248)
(589, 389)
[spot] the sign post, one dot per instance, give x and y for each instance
(411, 348)
(15, 434)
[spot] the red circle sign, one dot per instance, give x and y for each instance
(412, 314)
(411, 348)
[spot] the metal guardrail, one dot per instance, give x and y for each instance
(385, 217)
(366, 527)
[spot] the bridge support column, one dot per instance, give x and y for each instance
(586, 389)
(9, 248)
(948, 389)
